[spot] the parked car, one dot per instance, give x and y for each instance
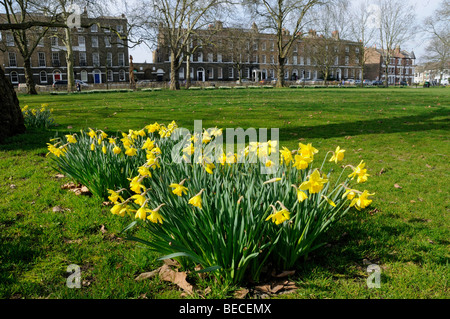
(59, 83)
(267, 81)
(81, 83)
(244, 81)
(350, 81)
(377, 83)
(357, 82)
(368, 82)
(403, 83)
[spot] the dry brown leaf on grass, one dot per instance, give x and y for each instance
(397, 186)
(147, 275)
(241, 293)
(59, 176)
(178, 278)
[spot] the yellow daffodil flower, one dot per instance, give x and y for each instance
(362, 201)
(117, 150)
(301, 196)
(104, 149)
(286, 156)
(152, 127)
(307, 150)
(144, 171)
(209, 168)
(278, 217)
(149, 144)
(197, 200)
(135, 184)
(139, 199)
(141, 213)
(114, 197)
(112, 140)
(71, 139)
(155, 216)
(178, 189)
(361, 172)
(92, 146)
(338, 155)
(92, 134)
(315, 183)
(301, 162)
(131, 151)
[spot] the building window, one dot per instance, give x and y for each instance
(14, 77)
(122, 75)
(41, 59)
(109, 61)
(95, 59)
(43, 77)
(210, 72)
(119, 42)
(107, 42)
(346, 73)
(263, 46)
(9, 40)
(54, 41)
(272, 59)
(230, 73)
(219, 57)
(336, 61)
(55, 59)
(263, 59)
(110, 76)
(120, 28)
(357, 50)
(94, 42)
(12, 59)
(308, 61)
(255, 59)
(200, 57)
(181, 74)
(272, 46)
(347, 60)
(347, 49)
(84, 75)
(81, 41)
(219, 73)
(294, 59)
(83, 61)
(357, 60)
(210, 57)
(94, 28)
(121, 59)
(40, 43)
(255, 46)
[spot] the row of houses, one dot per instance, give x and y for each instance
(228, 54)
(100, 55)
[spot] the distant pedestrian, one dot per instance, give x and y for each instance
(78, 87)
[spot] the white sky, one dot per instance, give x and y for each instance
(424, 8)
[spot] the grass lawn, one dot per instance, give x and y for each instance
(402, 135)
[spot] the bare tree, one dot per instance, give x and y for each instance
(438, 47)
(362, 29)
(395, 26)
(286, 18)
(26, 40)
(332, 22)
(172, 23)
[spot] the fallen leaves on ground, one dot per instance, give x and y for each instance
(78, 189)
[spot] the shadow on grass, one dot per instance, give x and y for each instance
(414, 123)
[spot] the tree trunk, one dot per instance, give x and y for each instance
(174, 84)
(188, 72)
(31, 86)
(69, 61)
(11, 118)
(280, 73)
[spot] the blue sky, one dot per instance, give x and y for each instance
(424, 8)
